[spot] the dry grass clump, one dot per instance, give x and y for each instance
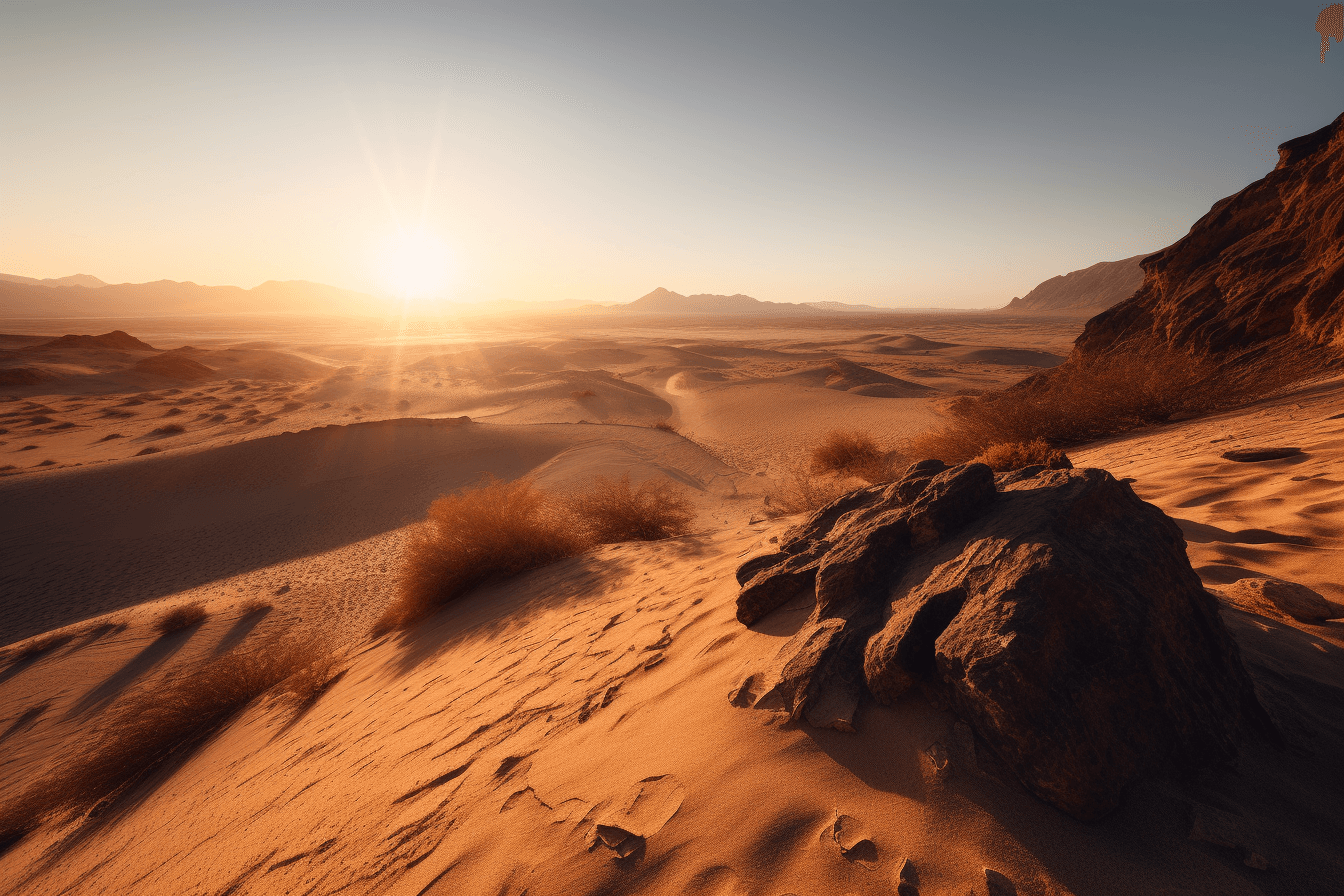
(843, 461)
(505, 528)
(612, 511)
(1008, 456)
(38, 647)
(848, 453)
(178, 618)
(665, 426)
(171, 429)
(1088, 399)
(159, 727)
(580, 394)
(254, 606)
(804, 491)
(487, 533)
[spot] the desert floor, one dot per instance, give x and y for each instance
(478, 752)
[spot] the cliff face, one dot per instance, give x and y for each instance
(1084, 292)
(1263, 271)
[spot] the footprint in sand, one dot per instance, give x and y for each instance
(850, 836)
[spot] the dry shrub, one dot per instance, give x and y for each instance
(804, 491)
(487, 533)
(848, 453)
(38, 647)
(665, 426)
(178, 618)
(254, 606)
(613, 512)
(580, 394)
(1083, 400)
(1008, 456)
(159, 726)
(171, 429)
(505, 528)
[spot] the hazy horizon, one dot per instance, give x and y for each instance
(894, 156)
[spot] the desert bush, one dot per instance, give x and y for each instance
(1007, 456)
(470, 538)
(178, 618)
(35, 648)
(848, 453)
(505, 528)
(802, 491)
(156, 726)
(171, 429)
(665, 426)
(1083, 400)
(254, 606)
(612, 511)
(579, 394)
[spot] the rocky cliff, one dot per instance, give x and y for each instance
(1261, 273)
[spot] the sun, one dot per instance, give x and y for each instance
(416, 264)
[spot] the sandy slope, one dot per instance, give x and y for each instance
(1280, 518)
(481, 752)
(82, 542)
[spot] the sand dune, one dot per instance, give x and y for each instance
(157, 525)
(593, 696)
(572, 730)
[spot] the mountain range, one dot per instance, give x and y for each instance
(84, 296)
(664, 301)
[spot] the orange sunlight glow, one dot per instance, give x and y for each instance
(415, 264)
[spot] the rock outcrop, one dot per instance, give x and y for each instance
(1052, 610)
(1262, 272)
(1273, 597)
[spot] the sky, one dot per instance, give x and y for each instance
(949, 154)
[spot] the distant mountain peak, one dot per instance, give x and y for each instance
(1084, 292)
(88, 281)
(664, 301)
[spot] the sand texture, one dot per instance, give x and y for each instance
(574, 730)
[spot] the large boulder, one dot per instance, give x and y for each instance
(1052, 610)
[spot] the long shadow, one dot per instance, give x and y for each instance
(1203, 533)
(186, 520)
(26, 720)
(133, 793)
(303, 708)
(153, 655)
(24, 658)
(565, 583)
(241, 629)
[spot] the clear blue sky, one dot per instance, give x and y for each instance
(932, 154)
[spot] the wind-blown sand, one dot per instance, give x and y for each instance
(488, 750)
